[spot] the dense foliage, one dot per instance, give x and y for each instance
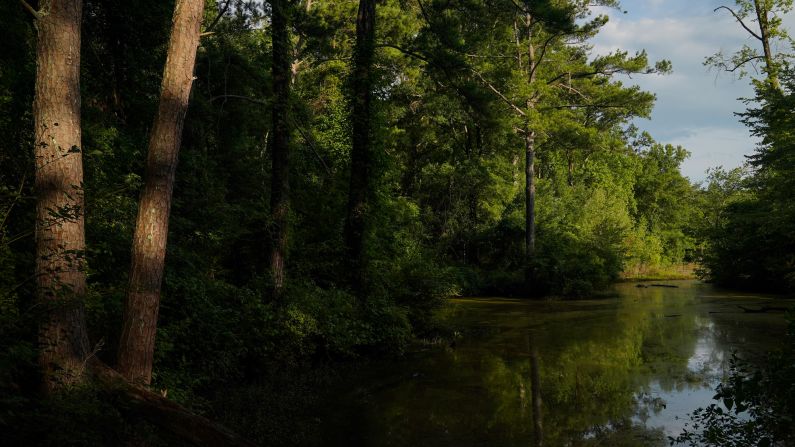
(447, 211)
(751, 240)
(748, 235)
(754, 405)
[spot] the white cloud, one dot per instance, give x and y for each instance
(695, 107)
(714, 146)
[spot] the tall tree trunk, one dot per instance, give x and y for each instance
(137, 343)
(361, 153)
(60, 224)
(529, 169)
(280, 143)
(295, 65)
(764, 28)
(530, 195)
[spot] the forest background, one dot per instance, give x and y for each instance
(338, 180)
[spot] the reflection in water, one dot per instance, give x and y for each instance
(618, 372)
(535, 383)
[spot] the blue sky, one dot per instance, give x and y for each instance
(695, 106)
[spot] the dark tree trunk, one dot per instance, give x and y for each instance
(530, 197)
(60, 224)
(137, 343)
(280, 144)
(361, 153)
(529, 167)
(473, 141)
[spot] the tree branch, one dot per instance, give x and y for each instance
(310, 140)
(573, 90)
(498, 93)
(217, 18)
(743, 62)
(30, 9)
(404, 51)
(585, 106)
(244, 98)
(11, 208)
(543, 53)
(739, 20)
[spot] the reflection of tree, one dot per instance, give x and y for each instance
(535, 383)
(592, 364)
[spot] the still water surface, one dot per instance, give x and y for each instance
(623, 371)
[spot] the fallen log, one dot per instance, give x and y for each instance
(669, 286)
(164, 413)
(762, 309)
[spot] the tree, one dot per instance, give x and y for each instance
(361, 151)
(768, 16)
(535, 64)
(60, 222)
(281, 73)
(137, 342)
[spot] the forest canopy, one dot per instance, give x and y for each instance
(202, 193)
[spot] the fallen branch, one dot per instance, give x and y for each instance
(763, 309)
(30, 9)
(164, 413)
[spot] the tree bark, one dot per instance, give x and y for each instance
(361, 152)
(136, 346)
(60, 224)
(530, 194)
(530, 173)
(280, 144)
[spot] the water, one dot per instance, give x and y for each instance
(623, 371)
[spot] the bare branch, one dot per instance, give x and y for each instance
(310, 141)
(743, 62)
(498, 93)
(739, 20)
(586, 106)
(573, 90)
(217, 18)
(244, 98)
(11, 208)
(543, 53)
(30, 9)
(404, 51)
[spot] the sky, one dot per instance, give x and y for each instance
(695, 105)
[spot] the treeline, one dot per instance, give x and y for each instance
(748, 236)
(343, 166)
(749, 225)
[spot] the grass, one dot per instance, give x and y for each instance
(641, 272)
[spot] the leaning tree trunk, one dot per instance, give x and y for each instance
(280, 144)
(136, 347)
(361, 151)
(60, 224)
